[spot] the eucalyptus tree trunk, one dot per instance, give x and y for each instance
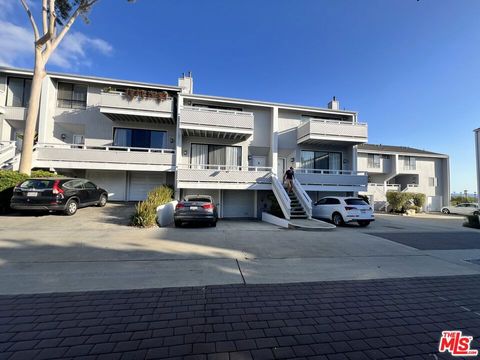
(39, 74)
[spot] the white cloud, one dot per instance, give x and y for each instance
(16, 46)
(16, 43)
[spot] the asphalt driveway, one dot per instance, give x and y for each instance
(96, 250)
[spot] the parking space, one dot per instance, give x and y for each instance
(95, 249)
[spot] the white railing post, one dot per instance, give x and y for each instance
(303, 197)
(282, 197)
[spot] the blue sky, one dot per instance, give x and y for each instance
(410, 68)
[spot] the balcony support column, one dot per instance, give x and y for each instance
(274, 141)
(44, 110)
(178, 145)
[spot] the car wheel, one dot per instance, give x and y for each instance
(363, 223)
(71, 207)
(337, 219)
(213, 224)
(102, 201)
(445, 211)
(178, 223)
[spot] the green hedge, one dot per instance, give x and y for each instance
(403, 201)
(146, 211)
(10, 178)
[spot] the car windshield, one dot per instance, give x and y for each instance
(200, 199)
(37, 184)
(355, 202)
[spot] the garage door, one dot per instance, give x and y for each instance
(112, 181)
(434, 203)
(140, 183)
(238, 203)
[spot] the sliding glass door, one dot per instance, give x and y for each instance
(229, 157)
(140, 138)
(321, 160)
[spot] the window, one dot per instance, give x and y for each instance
(205, 154)
(410, 163)
(374, 161)
(321, 202)
(89, 186)
(72, 96)
(74, 184)
(140, 138)
(37, 184)
(332, 201)
(321, 160)
(355, 202)
(18, 92)
(432, 181)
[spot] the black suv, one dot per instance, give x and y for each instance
(57, 194)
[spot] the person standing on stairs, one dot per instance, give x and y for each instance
(288, 177)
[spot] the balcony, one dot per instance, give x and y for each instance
(104, 157)
(217, 123)
(332, 180)
(318, 131)
(119, 107)
(224, 177)
(15, 113)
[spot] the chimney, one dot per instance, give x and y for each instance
(334, 104)
(186, 83)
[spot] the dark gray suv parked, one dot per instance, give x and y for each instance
(196, 208)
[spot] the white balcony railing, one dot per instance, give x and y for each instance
(282, 197)
(7, 152)
(216, 120)
(107, 157)
(383, 187)
(411, 187)
(335, 180)
(315, 130)
(118, 100)
(223, 174)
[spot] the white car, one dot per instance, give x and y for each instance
(462, 209)
(342, 210)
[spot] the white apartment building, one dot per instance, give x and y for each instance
(399, 168)
(129, 137)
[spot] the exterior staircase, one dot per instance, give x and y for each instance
(296, 209)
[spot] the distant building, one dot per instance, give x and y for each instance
(477, 151)
(401, 168)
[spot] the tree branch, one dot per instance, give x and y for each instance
(44, 16)
(53, 19)
(32, 20)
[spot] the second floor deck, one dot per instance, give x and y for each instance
(319, 131)
(71, 156)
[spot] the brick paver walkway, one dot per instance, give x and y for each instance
(377, 319)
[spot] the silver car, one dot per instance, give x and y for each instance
(462, 209)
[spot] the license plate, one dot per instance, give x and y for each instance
(193, 207)
(364, 211)
(32, 194)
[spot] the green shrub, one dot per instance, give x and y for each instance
(146, 211)
(398, 200)
(403, 201)
(418, 200)
(10, 178)
(455, 200)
